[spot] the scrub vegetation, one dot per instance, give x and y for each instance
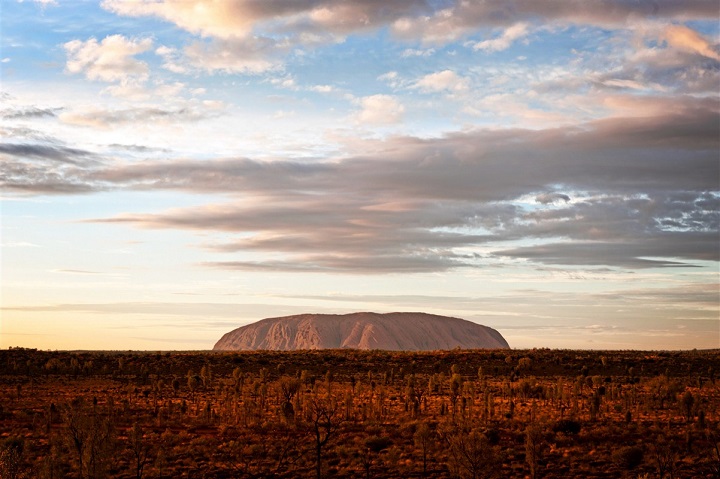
(349, 414)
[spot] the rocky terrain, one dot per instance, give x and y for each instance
(391, 331)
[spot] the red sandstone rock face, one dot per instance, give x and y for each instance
(392, 331)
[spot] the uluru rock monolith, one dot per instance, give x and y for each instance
(390, 331)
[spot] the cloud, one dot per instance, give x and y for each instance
(548, 198)
(46, 168)
(43, 3)
(412, 52)
(32, 179)
(252, 37)
(392, 78)
(671, 58)
(322, 88)
(244, 55)
(208, 18)
(233, 19)
(108, 60)
(650, 57)
(338, 264)
(76, 271)
(173, 60)
(658, 253)
(687, 39)
(101, 118)
(380, 110)
(29, 113)
(503, 42)
(446, 80)
(55, 153)
(700, 294)
(460, 19)
(624, 192)
(227, 19)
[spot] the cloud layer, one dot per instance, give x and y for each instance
(249, 36)
(628, 192)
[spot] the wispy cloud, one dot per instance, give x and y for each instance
(107, 118)
(29, 113)
(446, 80)
(76, 271)
(503, 42)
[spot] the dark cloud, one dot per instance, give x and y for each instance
(20, 179)
(636, 192)
(45, 152)
(547, 198)
(623, 254)
(46, 168)
(663, 58)
(29, 113)
(674, 151)
(689, 73)
(453, 20)
(614, 217)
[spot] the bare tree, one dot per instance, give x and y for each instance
(91, 437)
(324, 420)
(470, 453)
(423, 440)
(77, 433)
(289, 387)
(665, 455)
(139, 449)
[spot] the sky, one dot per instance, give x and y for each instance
(174, 169)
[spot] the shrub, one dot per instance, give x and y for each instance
(378, 443)
(628, 457)
(567, 426)
(493, 436)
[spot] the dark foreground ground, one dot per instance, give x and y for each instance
(348, 414)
